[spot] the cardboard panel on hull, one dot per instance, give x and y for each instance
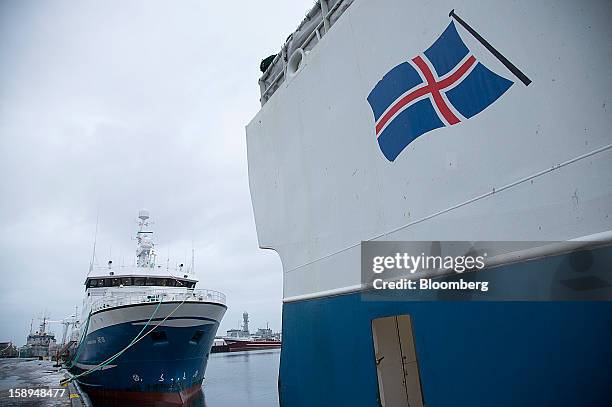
(396, 365)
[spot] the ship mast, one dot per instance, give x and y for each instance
(145, 255)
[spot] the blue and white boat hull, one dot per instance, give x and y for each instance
(470, 352)
(168, 364)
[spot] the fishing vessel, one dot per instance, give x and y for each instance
(393, 120)
(238, 340)
(40, 344)
(147, 330)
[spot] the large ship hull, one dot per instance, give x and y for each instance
(166, 365)
(536, 165)
(470, 351)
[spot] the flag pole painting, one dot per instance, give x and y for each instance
(443, 86)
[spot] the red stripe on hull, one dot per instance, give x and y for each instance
(137, 398)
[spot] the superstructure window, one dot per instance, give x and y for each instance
(138, 281)
(108, 282)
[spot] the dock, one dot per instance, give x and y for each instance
(20, 378)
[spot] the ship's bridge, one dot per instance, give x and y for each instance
(140, 277)
(144, 281)
(109, 288)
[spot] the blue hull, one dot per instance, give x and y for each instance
(170, 363)
(470, 353)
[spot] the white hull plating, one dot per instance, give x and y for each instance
(536, 165)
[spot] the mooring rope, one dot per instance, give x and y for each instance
(136, 339)
(69, 364)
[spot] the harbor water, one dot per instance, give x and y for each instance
(232, 379)
(242, 379)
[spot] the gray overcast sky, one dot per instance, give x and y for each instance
(111, 106)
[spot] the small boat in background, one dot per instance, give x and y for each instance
(242, 344)
(238, 340)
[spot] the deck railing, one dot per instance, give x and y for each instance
(117, 299)
(317, 23)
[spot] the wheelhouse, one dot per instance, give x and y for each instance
(138, 281)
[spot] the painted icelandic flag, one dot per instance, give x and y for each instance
(443, 86)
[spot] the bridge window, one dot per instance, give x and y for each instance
(138, 281)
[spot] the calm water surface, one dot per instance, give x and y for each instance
(242, 379)
(233, 379)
